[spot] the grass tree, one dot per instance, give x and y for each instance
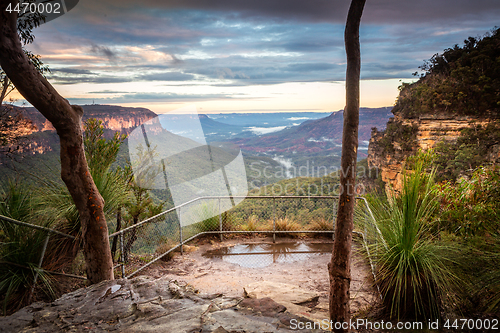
(20, 248)
(415, 270)
(55, 200)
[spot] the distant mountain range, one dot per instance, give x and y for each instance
(317, 135)
(280, 143)
(314, 144)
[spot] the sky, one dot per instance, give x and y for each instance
(246, 56)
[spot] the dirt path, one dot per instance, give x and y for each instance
(213, 276)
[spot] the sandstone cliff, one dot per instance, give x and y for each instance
(428, 131)
(455, 100)
(41, 135)
(116, 118)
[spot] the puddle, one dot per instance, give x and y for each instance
(263, 255)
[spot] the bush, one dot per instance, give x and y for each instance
(20, 250)
(283, 224)
(321, 225)
(414, 269)
(165, 246)
(471, 214)
(252, 224)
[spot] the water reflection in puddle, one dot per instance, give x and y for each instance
(262, 255)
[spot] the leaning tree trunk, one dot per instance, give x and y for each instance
(339, 267)
(66, 119)
(5, 87)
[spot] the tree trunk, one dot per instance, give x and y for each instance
(339, 267)
(66, 119)
(118, 228)
(5, 86)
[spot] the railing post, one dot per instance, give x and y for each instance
(122, 255)
(40, 262)
(274, 219)
(180, 234)
(333, 219)
(220, 221)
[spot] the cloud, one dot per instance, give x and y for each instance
(226, 43)
(166, 76)
(70, 70)
(85, 79)
(107, 92)
(103, 51)
(334, 11)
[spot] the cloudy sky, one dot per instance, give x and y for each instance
(246, 56)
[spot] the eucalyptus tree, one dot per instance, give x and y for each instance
(67, 120)
(339, 267)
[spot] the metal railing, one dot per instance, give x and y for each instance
(274, 215)
(48, 232)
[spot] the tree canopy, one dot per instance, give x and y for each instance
(462, 80)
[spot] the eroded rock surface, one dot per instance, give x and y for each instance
(145, 304)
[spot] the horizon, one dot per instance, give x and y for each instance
(228, 112)
(240, 57)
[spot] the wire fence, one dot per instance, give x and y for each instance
(37, 238)
(156, 237)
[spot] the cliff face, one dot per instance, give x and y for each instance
(42, 135)
(429, 131)
(115, 118)
(456, 100)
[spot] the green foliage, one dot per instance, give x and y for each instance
(463, 80)
(414, 269)
(471, 150)
(100, 153)
(470, 210)
(472, 206)
(20, 248)
(404, 135)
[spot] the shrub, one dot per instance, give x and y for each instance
(321, 225)
(252, 224)
(164, 247)
(284, 224)
(20, 249)
(414, 270)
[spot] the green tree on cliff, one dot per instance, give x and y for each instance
(462, 80)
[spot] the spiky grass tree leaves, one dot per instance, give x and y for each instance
(20, 248)
(415, 271)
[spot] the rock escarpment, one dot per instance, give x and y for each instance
(41, 135)
(388, 149)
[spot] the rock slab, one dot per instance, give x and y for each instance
(145, 304)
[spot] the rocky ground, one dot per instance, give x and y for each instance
(217, 276)
(192, 293)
